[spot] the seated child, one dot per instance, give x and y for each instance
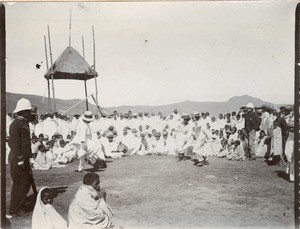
(144, 146)
(261, 147)
(42, 162)
(44, 215)
(236, 152)
(224, 150)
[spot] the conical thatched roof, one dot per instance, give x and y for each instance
(71, 65)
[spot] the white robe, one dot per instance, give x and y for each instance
(50, 127)
(276, 142)
(88, 210)
(45, 216)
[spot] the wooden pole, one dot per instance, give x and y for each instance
(86, 97)
(48, 82)
(70, 28)
(53, 91)
(83, 54)
(75, 105)
(94, 52)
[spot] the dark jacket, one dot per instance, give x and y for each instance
(252, 121)
(284, 128)
(19, 140)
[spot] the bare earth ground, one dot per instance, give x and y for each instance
(159, 192)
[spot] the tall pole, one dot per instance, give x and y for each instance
(94, 51)
(48, 82)
(83, 48)
(70, 27)
(86, 97)
(53, 91)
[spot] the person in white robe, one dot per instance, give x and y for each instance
(39, 127)
(239, 122)
(221, 122)
(44, 214)
(184, 136)
(216, 143)
(88, 208)
(169, 144)
(289, 151)
(85, 145)
(131, 141)
(261, 148)
(157, 145)
(171, 122)
(34, 146)
(62, 152)
(75, 121)
(110, 146)
(265, 118)
(205, 149)
(276, 144)
(200, 147)
(144, 146)
(224, 149)
(236, 152)
(50, 126)
(175, 116)
(196, 124)
(233, 135)
(42, 162)
(65, 127)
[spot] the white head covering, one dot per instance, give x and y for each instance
(45, 216)
(250, 105)
(22, 105)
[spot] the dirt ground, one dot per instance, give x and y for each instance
(160, 192)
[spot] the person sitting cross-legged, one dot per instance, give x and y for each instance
(88, 208)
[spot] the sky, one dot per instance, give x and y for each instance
(157, 53)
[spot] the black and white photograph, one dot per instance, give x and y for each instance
(149, 115)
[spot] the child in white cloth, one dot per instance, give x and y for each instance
(44, 215)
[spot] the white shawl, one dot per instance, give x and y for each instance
(45, 216)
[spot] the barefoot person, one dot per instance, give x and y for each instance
(88, 208)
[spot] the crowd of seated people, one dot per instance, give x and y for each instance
(246, 134)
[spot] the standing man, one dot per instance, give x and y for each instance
(283, 124)
(252, 123)
(20, 155)
(85, 145)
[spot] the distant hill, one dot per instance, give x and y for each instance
(42, 103)
(214, 108)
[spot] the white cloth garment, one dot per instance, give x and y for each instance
(45, 216)
(88, 210)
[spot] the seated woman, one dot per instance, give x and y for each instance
(44, 215)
